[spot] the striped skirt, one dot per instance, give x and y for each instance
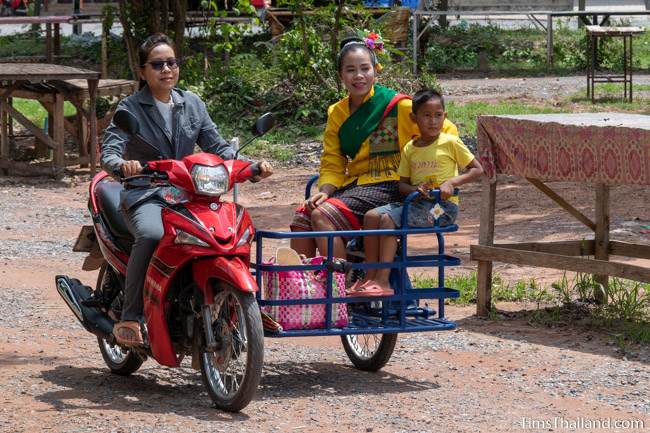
(346, 208)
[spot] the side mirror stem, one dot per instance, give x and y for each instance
(246, 144)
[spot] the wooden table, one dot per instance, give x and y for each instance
(594, 33)
(18, 79)
(601, 149)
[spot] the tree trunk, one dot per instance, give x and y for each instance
(129, 39)
(335, 36)
(179, 8)
(156, 17)
(164, 14)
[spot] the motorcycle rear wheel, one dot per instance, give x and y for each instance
(231, 374)
(121, 361)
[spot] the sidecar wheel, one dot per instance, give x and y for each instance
(369, 352)
(232, 372)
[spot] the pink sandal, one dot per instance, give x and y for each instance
(356, 286)
(374, 290)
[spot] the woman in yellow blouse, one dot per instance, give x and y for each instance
(361, 151)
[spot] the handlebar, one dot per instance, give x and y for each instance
(146, 173)
(433, 193)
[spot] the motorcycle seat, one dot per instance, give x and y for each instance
(108, 198)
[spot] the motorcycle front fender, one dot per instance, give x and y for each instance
(233, 270)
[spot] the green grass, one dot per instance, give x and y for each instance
(610, 96)
(625, 315)
(520, 291)
(35, 112)
(464, 115)
(280, 143)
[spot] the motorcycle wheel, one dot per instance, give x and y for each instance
(369, 352)
(232, 372)
(119, 360)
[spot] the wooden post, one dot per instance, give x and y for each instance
(48, 42)
(81, 131)
(104, 52)
(602, 234)
(581, 7)
(57, 39)
(58, 130)
(37, 12)
(92, 113)
(415, 42)
(10, 124)
(4, 139)
(41, 147)
(549, 41)
(443, 5)
(486, 237)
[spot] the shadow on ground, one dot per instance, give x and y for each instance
(162, 390)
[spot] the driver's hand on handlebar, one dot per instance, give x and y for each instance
(316, 200)
(266, 169)
(131, 168)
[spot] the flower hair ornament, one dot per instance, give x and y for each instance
(371, 40)
(375, 43)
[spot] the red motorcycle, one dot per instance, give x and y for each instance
(199, 295)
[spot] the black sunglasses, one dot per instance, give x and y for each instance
(158, 65)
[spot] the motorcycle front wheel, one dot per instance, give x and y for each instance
(232, 372)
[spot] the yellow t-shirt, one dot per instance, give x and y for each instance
(435, 163)
(337, 169)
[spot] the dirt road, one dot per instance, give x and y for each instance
(488, 376)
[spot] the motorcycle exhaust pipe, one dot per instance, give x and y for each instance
(92, 319)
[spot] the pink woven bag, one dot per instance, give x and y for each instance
(287, 285)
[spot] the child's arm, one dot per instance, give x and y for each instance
(405, 188)
(475, 170)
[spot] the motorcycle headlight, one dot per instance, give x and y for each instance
(245, 237)
(184, 238)
(210, 180)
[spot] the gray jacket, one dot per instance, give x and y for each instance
(191, 125)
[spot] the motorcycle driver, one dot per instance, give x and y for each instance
(172, 121)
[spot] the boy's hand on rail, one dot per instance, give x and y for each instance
(446, 190)
(316, 200)
(424, 191)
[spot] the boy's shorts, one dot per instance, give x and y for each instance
(420, 213)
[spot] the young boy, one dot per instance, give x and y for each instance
(428, 161)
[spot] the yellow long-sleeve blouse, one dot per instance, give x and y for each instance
(338, 170)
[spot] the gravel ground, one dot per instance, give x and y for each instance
(496, 376)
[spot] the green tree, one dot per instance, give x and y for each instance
(141, 18)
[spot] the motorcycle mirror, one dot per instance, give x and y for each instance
(126, 122)
(263, 124)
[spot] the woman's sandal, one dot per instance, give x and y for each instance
(373, 290)
(127, 333)
(356, 286)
